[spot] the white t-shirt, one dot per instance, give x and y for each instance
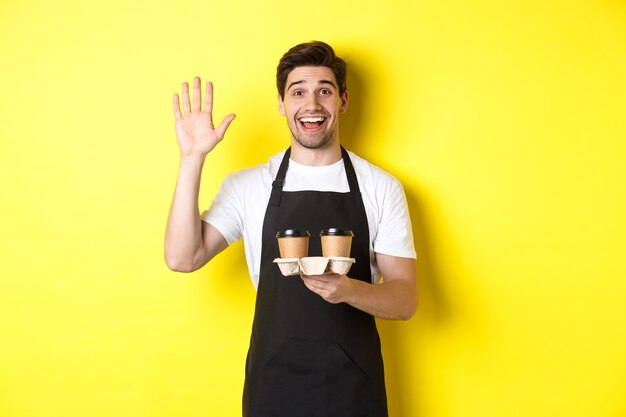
(238, 209)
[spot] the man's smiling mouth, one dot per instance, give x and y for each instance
(311, 123)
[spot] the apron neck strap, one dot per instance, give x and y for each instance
(279, 181)
(352, 181)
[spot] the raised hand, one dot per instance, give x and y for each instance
(195, 131)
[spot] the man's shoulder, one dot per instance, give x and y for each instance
(371, 173)
(256, 176)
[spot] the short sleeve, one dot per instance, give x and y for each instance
(395, 234)
(225, 213)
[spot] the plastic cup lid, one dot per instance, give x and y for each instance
(293, 233)
(334, 231)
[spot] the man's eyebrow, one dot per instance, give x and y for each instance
(295, 83)
(302, 82)
(328, 82)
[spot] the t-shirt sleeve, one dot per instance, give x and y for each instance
(395, 233)
(225, 212)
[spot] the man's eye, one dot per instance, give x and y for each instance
(297, 93)
(325, 91)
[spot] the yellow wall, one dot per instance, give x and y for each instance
(504, 120)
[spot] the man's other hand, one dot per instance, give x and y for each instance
(196, 134)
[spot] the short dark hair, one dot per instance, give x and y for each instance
(315, 54)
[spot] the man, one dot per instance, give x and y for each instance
(314, 349)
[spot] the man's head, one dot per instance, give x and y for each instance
(312, 95)
(310, 54)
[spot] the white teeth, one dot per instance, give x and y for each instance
(312, 119)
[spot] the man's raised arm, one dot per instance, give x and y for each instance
(189, 242)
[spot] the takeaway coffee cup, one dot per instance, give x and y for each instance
(336, 242)
(293, 243)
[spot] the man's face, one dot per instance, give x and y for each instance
(312, 105)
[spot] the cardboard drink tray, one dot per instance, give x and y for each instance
(314, 265)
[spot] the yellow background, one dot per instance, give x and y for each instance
(505, 121)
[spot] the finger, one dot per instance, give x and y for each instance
(186, 103)
(208, 98)
(310, 284)
(177, 114)
(326, 278)
(197, 94)
(221, 129)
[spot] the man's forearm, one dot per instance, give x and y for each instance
(396, 300)
(183, 236)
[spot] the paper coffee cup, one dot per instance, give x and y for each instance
(293, 243)
(336, 242)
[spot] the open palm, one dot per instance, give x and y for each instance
(195, 131)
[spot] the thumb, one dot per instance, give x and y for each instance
(221, 129)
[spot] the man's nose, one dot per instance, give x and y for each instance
(313, 102)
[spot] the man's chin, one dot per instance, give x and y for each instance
(313, 145)
(314, 142)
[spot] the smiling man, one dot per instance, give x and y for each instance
(314, 349)
(313, 123)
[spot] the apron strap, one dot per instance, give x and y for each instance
(279, 181)
(352, 181)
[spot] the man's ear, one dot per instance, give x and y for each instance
(344, 102)
(281, 107)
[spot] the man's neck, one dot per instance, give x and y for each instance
(316, 157)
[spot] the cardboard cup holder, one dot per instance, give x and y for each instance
(314, 265)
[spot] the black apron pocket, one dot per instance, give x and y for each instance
(350, 389)
(292, 382)
(312, 379)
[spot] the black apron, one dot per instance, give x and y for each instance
(308, 357)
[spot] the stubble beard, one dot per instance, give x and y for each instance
(317, 140)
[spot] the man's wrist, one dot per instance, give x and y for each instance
(353, 292)
(195, 160)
